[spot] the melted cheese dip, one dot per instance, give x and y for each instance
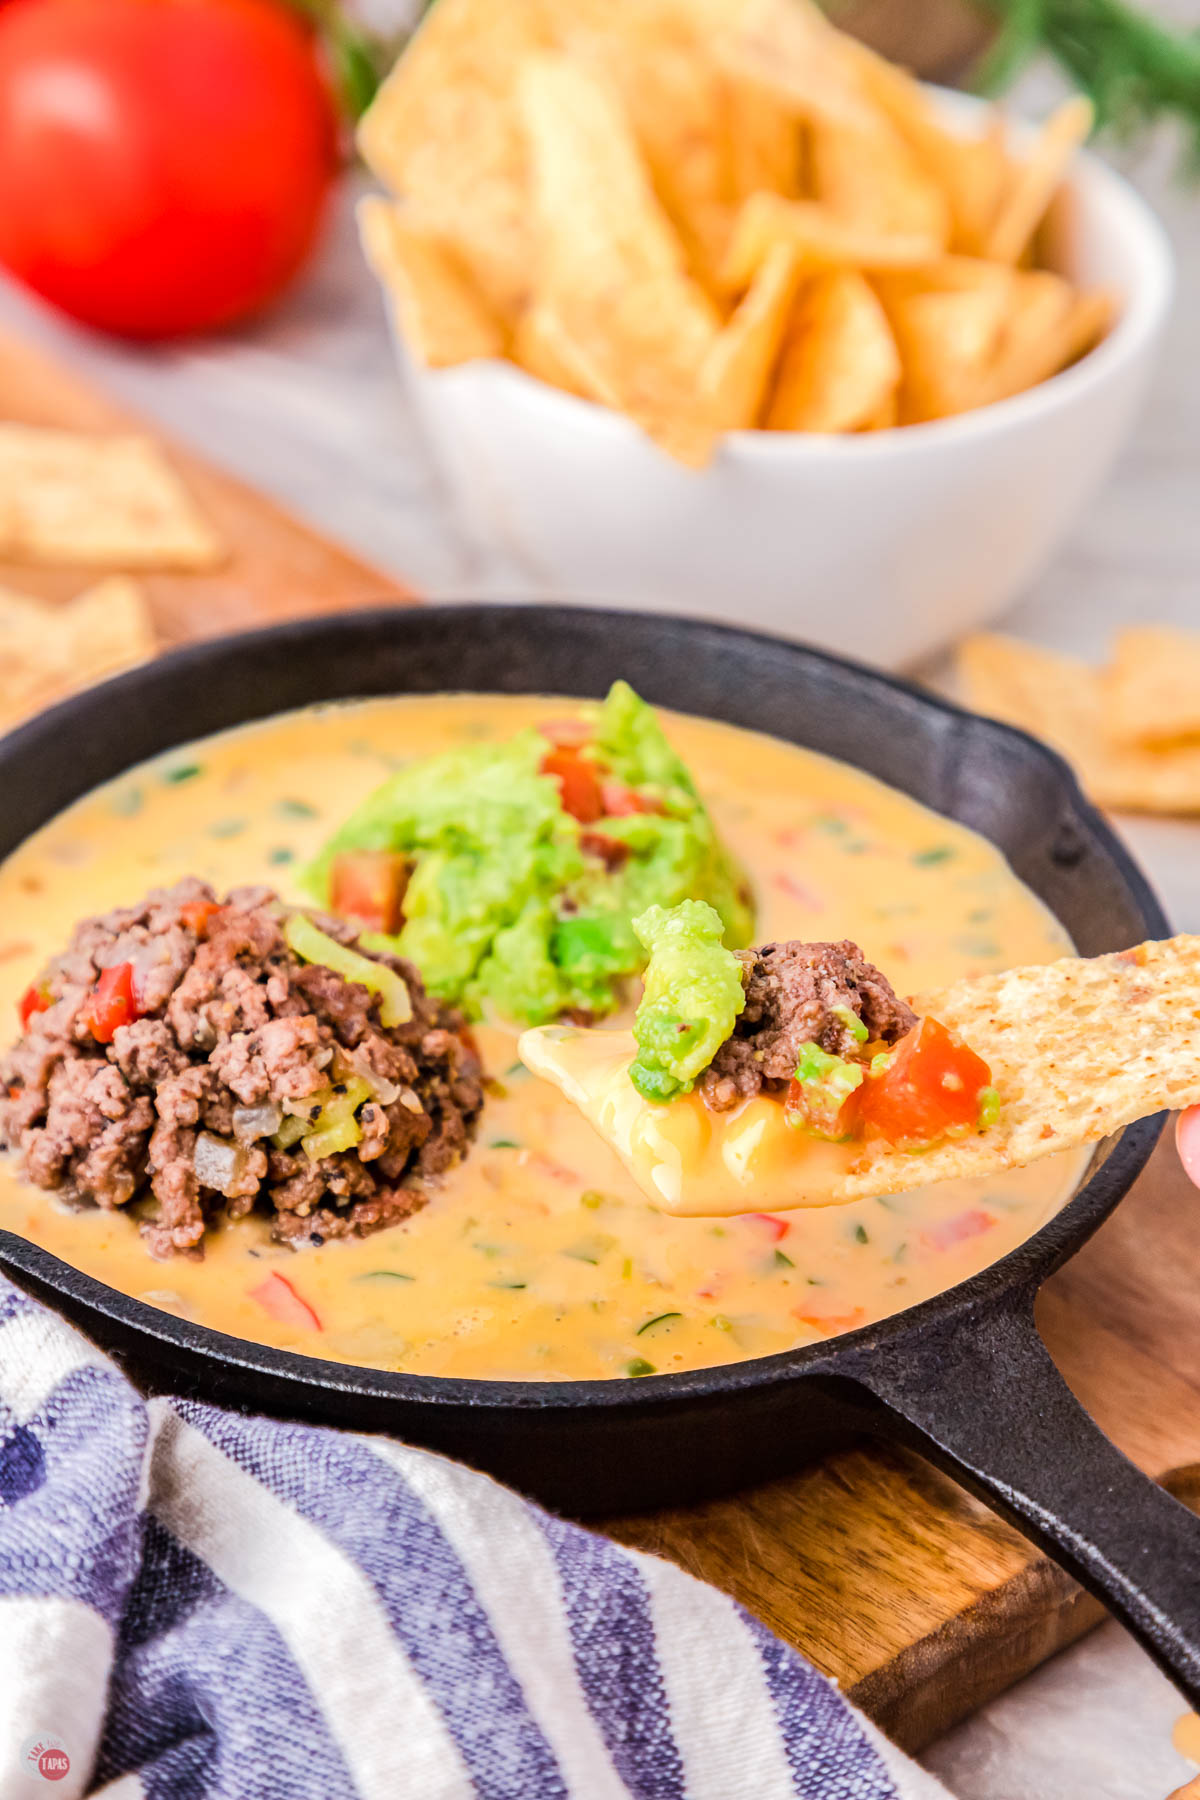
(538, 1257)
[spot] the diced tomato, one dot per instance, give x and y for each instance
(831, 1323)
(566, 734)
(611, 851)
(35, 999)
(797, 890)
(369, 885)
(621, 802)
(111, 1003)
(964, 1225)
(277, 1296)
(931, 1086)
(578, 783)
(196, 914)
(772, 1227)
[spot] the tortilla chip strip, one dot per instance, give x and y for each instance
(1152, 687)
(1063, 701)
(1077, 1049)
(442, 319)
(822, 239)
(67, 498)
(1038, 179)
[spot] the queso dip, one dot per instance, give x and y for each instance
(538, 1257)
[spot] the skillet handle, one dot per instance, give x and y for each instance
(983, 1399)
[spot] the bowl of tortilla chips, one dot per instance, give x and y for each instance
(707, 308)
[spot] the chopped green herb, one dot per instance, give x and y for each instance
(627, 1269)
(782, 1261)
(937, 853)
(639, 1366)
(856, 847)
(509, 1286)
(384, 1275)
(831, 824)
(515, 1070)
(182, 772)
(227, 828)
(296, 809)
(659, 1319)
(127, 801)
(590, 1250)
(504, 1144)
(980, 916)
(592, 1198)
(721, 1322)
(281, 854)
(974, 945)
(989, 1107)
(860, 1235)
(485, 1249)
(718, 1231)
(578, 1255)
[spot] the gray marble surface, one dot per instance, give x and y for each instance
(306, 405)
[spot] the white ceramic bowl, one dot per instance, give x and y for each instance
(883, 546)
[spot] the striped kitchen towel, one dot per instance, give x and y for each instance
(197, 1604)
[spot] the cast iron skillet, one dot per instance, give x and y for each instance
(963, 1377)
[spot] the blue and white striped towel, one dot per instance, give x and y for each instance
(196, 1604)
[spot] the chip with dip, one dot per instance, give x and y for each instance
(991, 1074)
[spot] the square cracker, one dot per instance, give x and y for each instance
(1077, 1049)
(69, 498)
(48, 651)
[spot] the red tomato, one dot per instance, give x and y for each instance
(369, 885)
(35, 999)
(196, 915)
(621, 801)
(277, 1296)
(932, 1086)
(111, 1003)
(579, 784)
(164, 164)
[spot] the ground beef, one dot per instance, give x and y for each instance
(794, 993)
(232, 1019)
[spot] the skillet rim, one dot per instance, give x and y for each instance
(1021, 1271)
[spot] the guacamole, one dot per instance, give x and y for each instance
(693, 995)
(529, 861)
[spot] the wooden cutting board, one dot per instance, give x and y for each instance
(883, 1572)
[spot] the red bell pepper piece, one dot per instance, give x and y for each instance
(773, 1228)
(111, 1003)
(277, 1296)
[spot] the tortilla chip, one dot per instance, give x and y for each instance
(1048, 327)
(841, 366)
(441, 317)
(822, 239)
(445, 134)
(868, 175)
(1077, 1049)
(49, 651)
(736, 373)
(1037, 180)
(765, 151)
(674, 98)
(68, 498)
(947, 339)
(1063, 702)
(609, 264)
(971, 172)
(1151, 689)
(543, 348)
(789, 48)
